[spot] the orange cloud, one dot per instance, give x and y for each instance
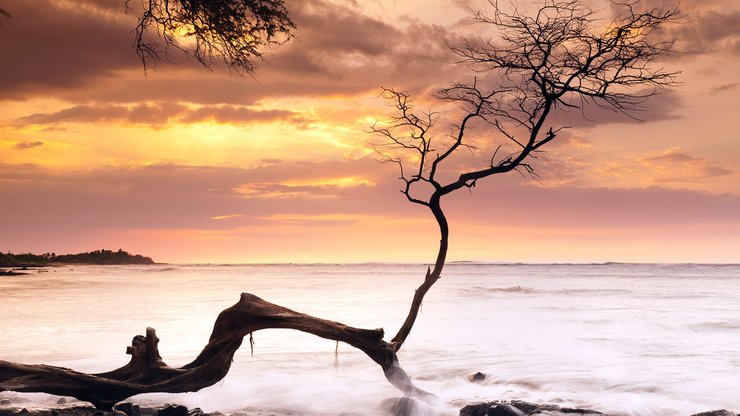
(226, 217)
(159, 115)
(28, 145)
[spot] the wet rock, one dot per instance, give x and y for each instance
(62, 401)
(129, 409)
(5, 402)
(77, 411)
(520, 408)
(196, 411)
(8, 412)
(480, 409)
(526, 407)
(477, 377)
(173, 410)
(505, 410)
(716, 413)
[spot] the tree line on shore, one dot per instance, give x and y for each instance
(93, 257)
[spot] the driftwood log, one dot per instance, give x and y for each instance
(147, 373)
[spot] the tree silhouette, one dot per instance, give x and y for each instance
(234, 32)
(536, 66)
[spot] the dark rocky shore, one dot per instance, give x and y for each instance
(400, 407)
(519, 408)
(122, 409)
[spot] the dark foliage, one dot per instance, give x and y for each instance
(93, 257)
(234, 32)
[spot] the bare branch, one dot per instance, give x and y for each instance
(555, 60)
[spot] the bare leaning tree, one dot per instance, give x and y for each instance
(560, 59)
(533, 67)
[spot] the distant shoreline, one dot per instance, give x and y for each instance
(97, 258)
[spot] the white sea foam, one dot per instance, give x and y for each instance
(659, 340)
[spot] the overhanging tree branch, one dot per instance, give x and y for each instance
(234, 32)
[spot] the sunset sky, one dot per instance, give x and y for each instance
(189, 165)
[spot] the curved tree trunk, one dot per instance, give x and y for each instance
(146, 372)
(432, 274)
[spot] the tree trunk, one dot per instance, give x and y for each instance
(432, 274)
(147, 373)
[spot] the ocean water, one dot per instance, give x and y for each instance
(627, 339)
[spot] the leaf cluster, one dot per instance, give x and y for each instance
(235, 32)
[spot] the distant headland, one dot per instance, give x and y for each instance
(98, 257)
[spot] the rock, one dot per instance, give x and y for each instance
(480, 409)
(570, 410)
(525, 407)
(721, 412)
(62, 400)
(478, 377)
(78, 411)
(197, 411)
(129, 409)
(5, 402)
(173, 410)
(505, 410)
(520, 408)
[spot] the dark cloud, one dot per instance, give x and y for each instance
(47, 46)
(238, 115)
(84, 54)
(28, 145)
(660, 107)
(528, 205)
(709, 31)
(334, 40)
(701, 27)
(172, 196)
(142, 113)
(714, 171)
(158, 115)
(724, 88)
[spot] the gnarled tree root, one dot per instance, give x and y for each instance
(147, 373)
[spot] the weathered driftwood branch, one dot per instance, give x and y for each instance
(146, 372)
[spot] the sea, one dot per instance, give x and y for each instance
(623, 339)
